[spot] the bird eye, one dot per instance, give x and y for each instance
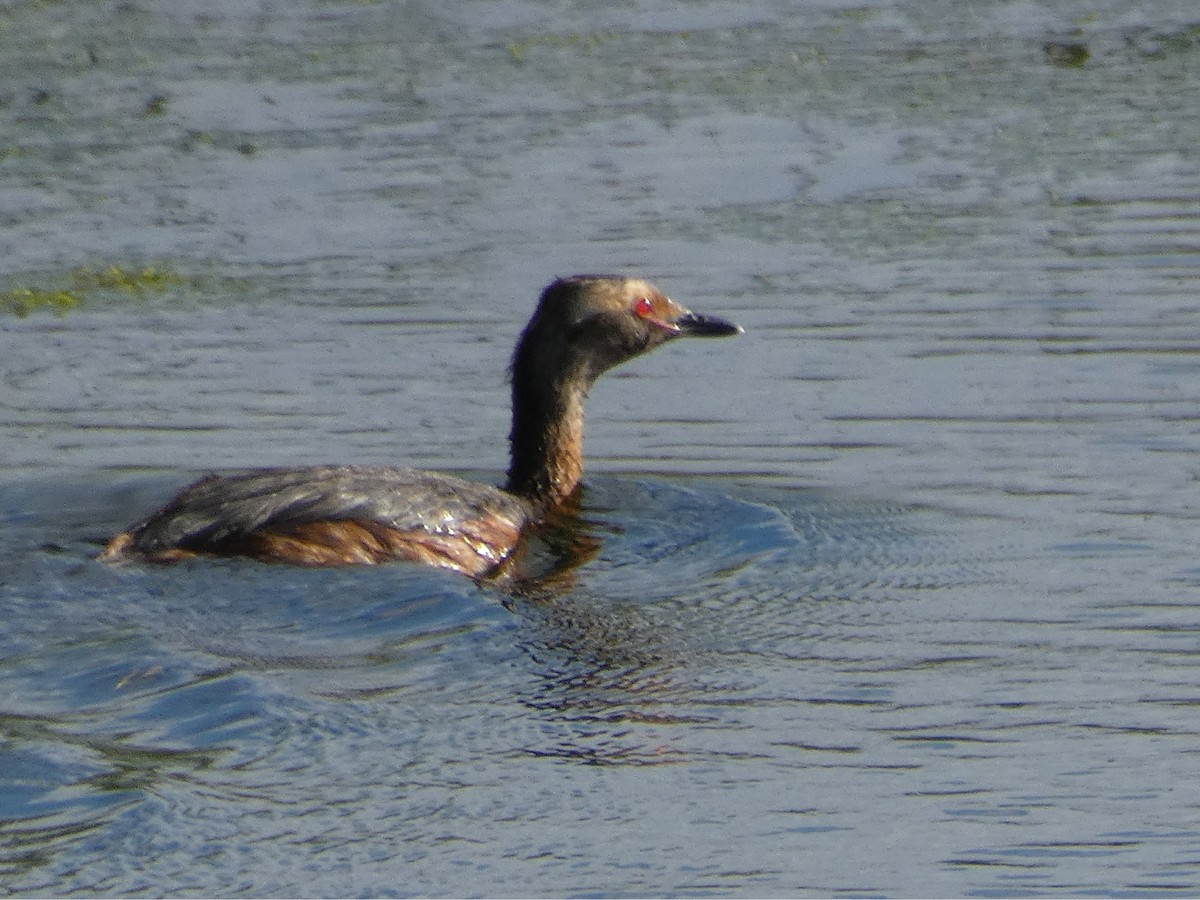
(643, 307)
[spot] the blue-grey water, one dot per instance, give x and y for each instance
(895, 594)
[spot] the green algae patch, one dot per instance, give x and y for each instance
(518, 48)
(1067, 54)
(23, 301)
(84, 283)
(132, 282)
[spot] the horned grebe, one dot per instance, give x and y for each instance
(342, 515)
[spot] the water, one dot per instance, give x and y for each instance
(894, 594)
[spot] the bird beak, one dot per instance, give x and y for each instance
(695, 325)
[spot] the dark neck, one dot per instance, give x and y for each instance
(546, 438)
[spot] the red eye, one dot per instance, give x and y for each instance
(643, 307)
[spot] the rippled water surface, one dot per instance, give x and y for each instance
(894, 594)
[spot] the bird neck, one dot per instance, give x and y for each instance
(546, 438)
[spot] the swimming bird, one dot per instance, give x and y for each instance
(342, 515)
